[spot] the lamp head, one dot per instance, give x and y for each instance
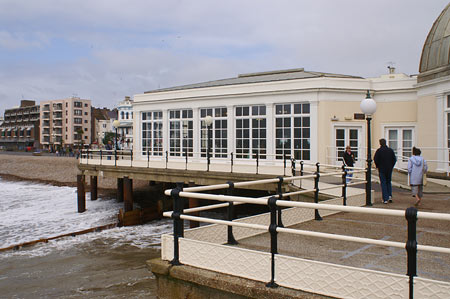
(368, 105)
(208, 120)
(116, 123)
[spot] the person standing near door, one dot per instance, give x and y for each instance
(349, 161)
(385, 160)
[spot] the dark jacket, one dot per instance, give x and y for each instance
(349, 159)
(385, 159)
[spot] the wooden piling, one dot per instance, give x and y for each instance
(81, 194)
(119, 189)
(94, 187)
(128, 194)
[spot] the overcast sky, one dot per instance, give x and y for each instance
(106, 50)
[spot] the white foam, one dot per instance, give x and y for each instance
(30, 211)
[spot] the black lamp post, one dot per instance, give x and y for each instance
(208, 122)
(116, 125)
(368, 107)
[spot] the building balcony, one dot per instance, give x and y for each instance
(46, 115)
(57, 107)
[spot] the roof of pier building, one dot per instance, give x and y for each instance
(435, 59)
(261, 77)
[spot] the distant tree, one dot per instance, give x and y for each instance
(109, 136)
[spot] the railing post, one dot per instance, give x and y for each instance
(167, 158)
(284, 163)
(272, 203)
(293, 166)
(344, 188)
(186, 155)
(148, 158)
(101, 156)
(231, 240)
(301, 167)
(177, 223)
(257, 161)
(411, 247)
(87, 157)
(115, 156)
(232, 162)
(280, 197)
(131, 157)
(316, 192)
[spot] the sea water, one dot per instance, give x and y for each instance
(32, 211)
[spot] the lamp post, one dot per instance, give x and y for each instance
(368, 107)
(116, 125)
(208, 122)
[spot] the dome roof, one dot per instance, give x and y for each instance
(434, 62)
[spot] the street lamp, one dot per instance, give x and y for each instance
(208, 122)
(116, 125)
(368, 107)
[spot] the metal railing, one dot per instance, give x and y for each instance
(276, 202)
(188, 157)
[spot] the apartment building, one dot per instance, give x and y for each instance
(20, 127)
(65, 123)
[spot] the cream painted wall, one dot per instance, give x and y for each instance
(343, 111)
(427, 135)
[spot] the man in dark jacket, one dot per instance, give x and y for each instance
(385, 160)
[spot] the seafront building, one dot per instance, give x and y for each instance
(20, 128)
(306, 115)
(65, 123)
(125, 129)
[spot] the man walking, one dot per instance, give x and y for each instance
(385, 160)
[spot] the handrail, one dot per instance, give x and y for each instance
(276, 202)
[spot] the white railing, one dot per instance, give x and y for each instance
(276, 202)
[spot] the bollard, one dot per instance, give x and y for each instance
(101, 157)
(272, 203)
(148, 158)
(301, 168)
(131, 157)
(186, 155)
(411, 247)
(230, 211)
(257, 162)
(167, 158)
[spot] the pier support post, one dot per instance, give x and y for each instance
(119, 190)
(128, 194)
(94, 187)
(193, 203)
(81, 194)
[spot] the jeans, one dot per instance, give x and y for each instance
(349, 176)
(386, 186)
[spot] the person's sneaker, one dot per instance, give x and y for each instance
(385, 202)
(390, 200)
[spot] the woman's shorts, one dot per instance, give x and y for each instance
(417, 190)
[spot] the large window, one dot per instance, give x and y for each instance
(401, 141)
(181, 133)
(152, 134)
(293, 129)
(251, 131)
(218, 132)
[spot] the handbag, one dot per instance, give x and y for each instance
(424, 180)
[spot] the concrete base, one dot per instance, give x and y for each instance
(189, 282)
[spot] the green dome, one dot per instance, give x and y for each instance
(434, 62)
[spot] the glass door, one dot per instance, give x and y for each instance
(401, 141)
(347, 136)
